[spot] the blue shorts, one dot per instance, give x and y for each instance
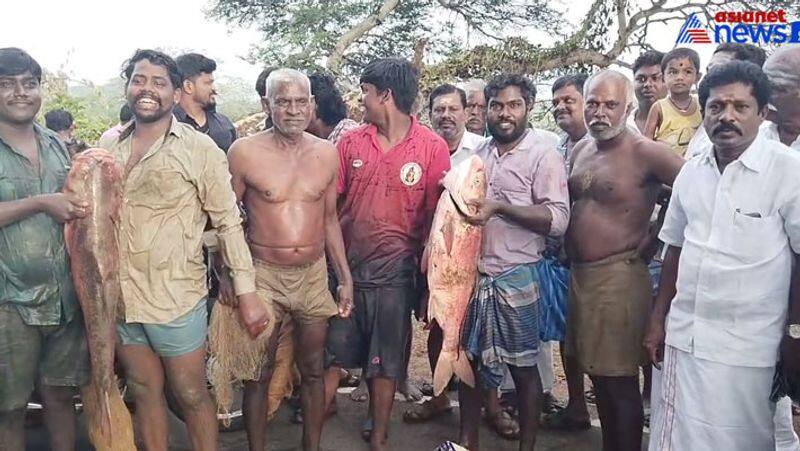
(178, 337)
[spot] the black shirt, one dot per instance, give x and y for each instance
(217, 126)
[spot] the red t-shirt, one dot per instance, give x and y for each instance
(387, 201)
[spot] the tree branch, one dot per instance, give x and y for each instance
(334, 62)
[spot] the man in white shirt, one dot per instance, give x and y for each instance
(733, 233)
(447, 107)
(724, 53)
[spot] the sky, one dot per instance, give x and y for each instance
(89, 39)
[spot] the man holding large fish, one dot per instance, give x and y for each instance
(526, 201)
(42, 337)
(176, 180)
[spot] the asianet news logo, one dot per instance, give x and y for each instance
(754, 27)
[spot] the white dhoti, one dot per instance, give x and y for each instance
(704, 405)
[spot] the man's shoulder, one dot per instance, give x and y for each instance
(546, 136)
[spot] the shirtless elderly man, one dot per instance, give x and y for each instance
(614, 183)
(287, 181)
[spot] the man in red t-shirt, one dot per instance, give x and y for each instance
(388, 190)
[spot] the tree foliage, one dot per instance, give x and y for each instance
(343, 35)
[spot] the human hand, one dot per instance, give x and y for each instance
(484, 209)
(654, 338)
(64, 207)
(344, 294)
(254, 314)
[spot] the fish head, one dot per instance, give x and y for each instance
(466, 183)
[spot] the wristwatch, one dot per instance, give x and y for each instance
(793, 331)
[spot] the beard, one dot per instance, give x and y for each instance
(607, 133)
(506, 136)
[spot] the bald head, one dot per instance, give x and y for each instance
(608, 97)
(783, 70)
(624, 84)
(279, 77)
(783, 67)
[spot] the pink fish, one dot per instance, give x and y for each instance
(453, 250)
(93, 249)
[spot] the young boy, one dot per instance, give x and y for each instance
(674, 119)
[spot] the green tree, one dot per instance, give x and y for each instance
(93, 112)
(342, 35)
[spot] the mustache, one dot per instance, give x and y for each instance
(595, 123)
(726, 127)
(145, 95)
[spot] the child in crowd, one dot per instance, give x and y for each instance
(674, 119)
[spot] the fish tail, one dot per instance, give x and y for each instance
(104, 413)
(443, 372)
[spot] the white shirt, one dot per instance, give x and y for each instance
(770, 131)
(466, 148)
(737, 231)
(698, 143)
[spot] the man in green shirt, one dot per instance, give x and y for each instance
(42, 337)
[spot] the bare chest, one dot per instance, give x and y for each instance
(606, 179)
(281, 181)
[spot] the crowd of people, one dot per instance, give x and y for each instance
(670, 198)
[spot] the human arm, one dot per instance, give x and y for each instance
(549, 213)
(672, 234)
(653, 121)
(334, 243)
(219, 200)
(663, 164)
(790, 347)
(655, 334)
(60, 206)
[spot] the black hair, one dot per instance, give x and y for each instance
(191, 65)
(576, 80)
(735, 72)
(14, 61)
(647, 59)
(396, 74)
(744, 52)
(261, 81)
(331, 108)
(445, 89)
(681, 53)
(58, 120)
(157, 58)
(125, 114)
(502, 81)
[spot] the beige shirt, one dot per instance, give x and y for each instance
(181, 182)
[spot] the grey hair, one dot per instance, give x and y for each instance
(473, 85)
(282, 76)
(630, 95)
(783, 68)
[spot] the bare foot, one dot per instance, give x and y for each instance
(361, 393)
(410, 391)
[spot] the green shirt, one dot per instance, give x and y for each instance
(34, 268)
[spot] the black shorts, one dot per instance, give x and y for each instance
(376, 334)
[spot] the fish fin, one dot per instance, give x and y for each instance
(448, 234)
(443, 372)
(463, 369)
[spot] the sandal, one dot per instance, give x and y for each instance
(366, 430)
(503, 425)
(560, 421)
(421, 413)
